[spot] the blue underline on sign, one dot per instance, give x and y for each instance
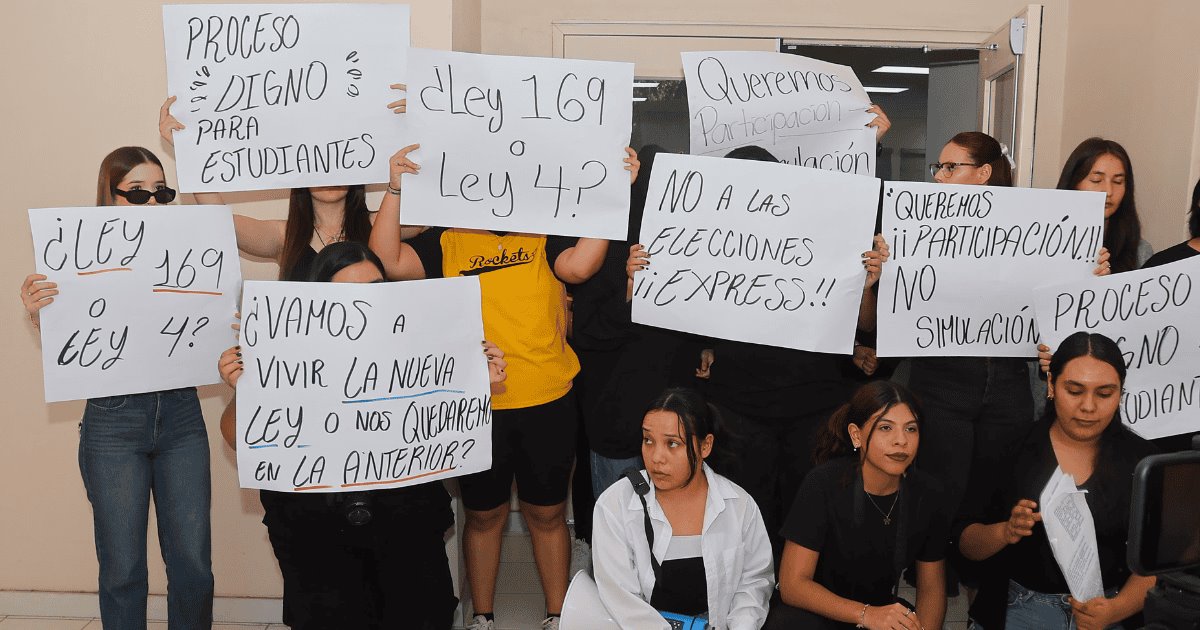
(265, 446)
(429, 393)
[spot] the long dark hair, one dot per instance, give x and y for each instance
(115, 166)
(1097, 346)
(1194, 212)
(752, 152)
(698, 418)
(1123, 232)
(875, 397)
(985, 149)
(356, 224)
(337, 256)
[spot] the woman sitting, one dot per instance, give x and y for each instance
(677, 537)
(1083, 435)
(862, 516)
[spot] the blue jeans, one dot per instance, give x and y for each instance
(1031, 610)
(607, 471)
(129, 448)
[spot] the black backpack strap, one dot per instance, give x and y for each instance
(642, 488)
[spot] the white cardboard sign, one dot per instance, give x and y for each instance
(965, 260)
(147, 295)
(755, 251)
(804, 111)
(361, 386)
(284, 95)
(519, 144)
(1152, 314)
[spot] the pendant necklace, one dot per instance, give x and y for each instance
(887, 518)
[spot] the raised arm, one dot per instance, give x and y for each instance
(400, 261)
(168, 124)
(579, 263)
(873, 262)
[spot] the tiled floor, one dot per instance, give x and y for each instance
(519, 604)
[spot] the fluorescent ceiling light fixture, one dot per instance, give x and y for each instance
(638, 99)
(886, 90)
(902, 70)
(645, 84)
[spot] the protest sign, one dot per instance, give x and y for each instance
(1151, 315)
(146, 298)
(519, 144)
(804, 111)
(361, 386)
(755, 251)
(965, 260)
(284, 95)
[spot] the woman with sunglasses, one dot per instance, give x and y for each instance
(317, 216)
(861, 517)
(136, 446)
(976, 408)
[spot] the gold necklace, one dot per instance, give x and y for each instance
(887, 518)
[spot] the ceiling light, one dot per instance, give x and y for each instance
(645, 84)
(902, 70)
(886, 90)
(638, 99)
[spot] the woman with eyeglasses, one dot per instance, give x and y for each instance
(976, 408)
(317, 216)
(136, 446)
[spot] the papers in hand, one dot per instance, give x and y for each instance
(1072, 535)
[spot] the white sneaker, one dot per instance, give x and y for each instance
(483, 623)
(581, 557)
(551, 623)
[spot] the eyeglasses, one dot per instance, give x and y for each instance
(936, 167)
(139, 196)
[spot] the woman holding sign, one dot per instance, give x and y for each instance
(862, 516)
(1083, 436)
(317, 217)
(1104, 166)
(371, 560)
(535, 419)
(135, 446)
(677, 537)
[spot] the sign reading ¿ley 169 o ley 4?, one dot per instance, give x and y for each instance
(361, 386)
(519, 144)
(146, 297)
(284, 95)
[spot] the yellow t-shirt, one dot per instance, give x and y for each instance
(524, 311)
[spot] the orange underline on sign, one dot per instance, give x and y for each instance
(377, 483)
(92, 273)
(191, 292)
(311, 488)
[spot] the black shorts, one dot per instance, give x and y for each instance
(537, 446)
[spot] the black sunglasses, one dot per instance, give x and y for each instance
(139, 196)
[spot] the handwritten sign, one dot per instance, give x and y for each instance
(1152, 315)
(755, 251)
(804, 111)
(284, 95)
(147, 295)
(361, 386)
(965, 260)
(519, 144)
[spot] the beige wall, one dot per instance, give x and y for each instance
(81, 78)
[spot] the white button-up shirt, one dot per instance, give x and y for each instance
(735, 549)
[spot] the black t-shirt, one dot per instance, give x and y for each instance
(767, 381)
(833, 516)
(1171, 254)
(1030, 562)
